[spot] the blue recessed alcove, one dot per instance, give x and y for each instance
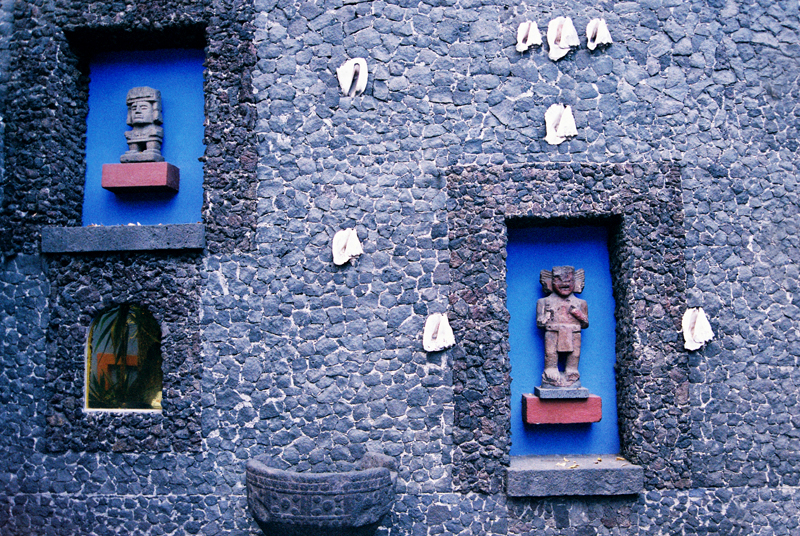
(531, 250)
(178, 74)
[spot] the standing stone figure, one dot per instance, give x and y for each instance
(144, 115)
(562, 316)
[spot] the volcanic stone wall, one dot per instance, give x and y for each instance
(688, 130)
(68, 471)
(641, 207)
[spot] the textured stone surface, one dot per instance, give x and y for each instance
(168, 287)
(561, 392)
(541, 476)
(690, 117)
(641, 206)
(123, 238)
(324, 504)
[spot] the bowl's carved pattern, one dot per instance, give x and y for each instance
(296, 503)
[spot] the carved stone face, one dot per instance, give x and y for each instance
(142, 112)
(563, 282)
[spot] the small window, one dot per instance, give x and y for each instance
(123, 360)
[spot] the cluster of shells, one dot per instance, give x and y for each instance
(561, 38)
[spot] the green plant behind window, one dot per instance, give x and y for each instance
(123, 360)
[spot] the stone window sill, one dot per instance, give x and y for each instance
(186, 236)
(545, 476)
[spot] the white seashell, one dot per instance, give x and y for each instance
(561, 36)
(346, 246)
(353, 76)
(696, 329)
(528, 35)
(597, 33)
(437, 335)
(560, 124)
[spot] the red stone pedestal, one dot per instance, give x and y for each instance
(138, 176)
(561, 410)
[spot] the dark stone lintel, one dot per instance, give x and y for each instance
(181, 236)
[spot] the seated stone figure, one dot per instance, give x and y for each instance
(562, 316)
(144, 115)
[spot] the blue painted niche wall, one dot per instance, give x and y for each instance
(531, 250)
(178, 74)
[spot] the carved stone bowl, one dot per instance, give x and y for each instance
(287, 503)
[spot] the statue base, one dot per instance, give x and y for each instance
(561, 392)
(536, 410)
(139, 176)
(148, 155)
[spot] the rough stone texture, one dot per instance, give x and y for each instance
(561, 392)
(313, 364)
(81, 288)
(347, 503)
(6, 27)
(123, 238)
(641, 206)
(48, 88)
(539, 476)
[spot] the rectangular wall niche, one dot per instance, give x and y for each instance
(178, 75)
(530, 250)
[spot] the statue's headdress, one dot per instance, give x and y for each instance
(546, 278)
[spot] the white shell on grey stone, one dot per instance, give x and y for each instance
(696, 328)
(597, 33)
(438, 334)
(528, 35)
(561, 36)
(346, 246)
(352, 76)
(560, 124)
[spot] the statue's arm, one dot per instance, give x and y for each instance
(581, 313)
(541, 313)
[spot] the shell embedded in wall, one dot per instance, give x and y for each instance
(561, 37)
(438, 334)
(696, 328)
(560, 124)
(597, 33)
(528, 35)
(346, 246)
(353, 76)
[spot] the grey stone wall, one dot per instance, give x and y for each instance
(315, 364)
(641, 208)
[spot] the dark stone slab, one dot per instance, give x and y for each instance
(542, 476)
(561, 392)
(123, 238)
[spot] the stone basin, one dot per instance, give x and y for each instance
(352, 503)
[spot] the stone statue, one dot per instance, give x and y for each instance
(562, 316)
(144, 115)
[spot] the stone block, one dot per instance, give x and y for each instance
(543, 476)
(123, 238)
(561, 392)
(137, 176)
(536, 410)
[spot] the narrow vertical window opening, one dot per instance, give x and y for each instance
(123, 360)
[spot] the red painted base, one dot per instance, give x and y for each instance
(161, 176)
(561, 410)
